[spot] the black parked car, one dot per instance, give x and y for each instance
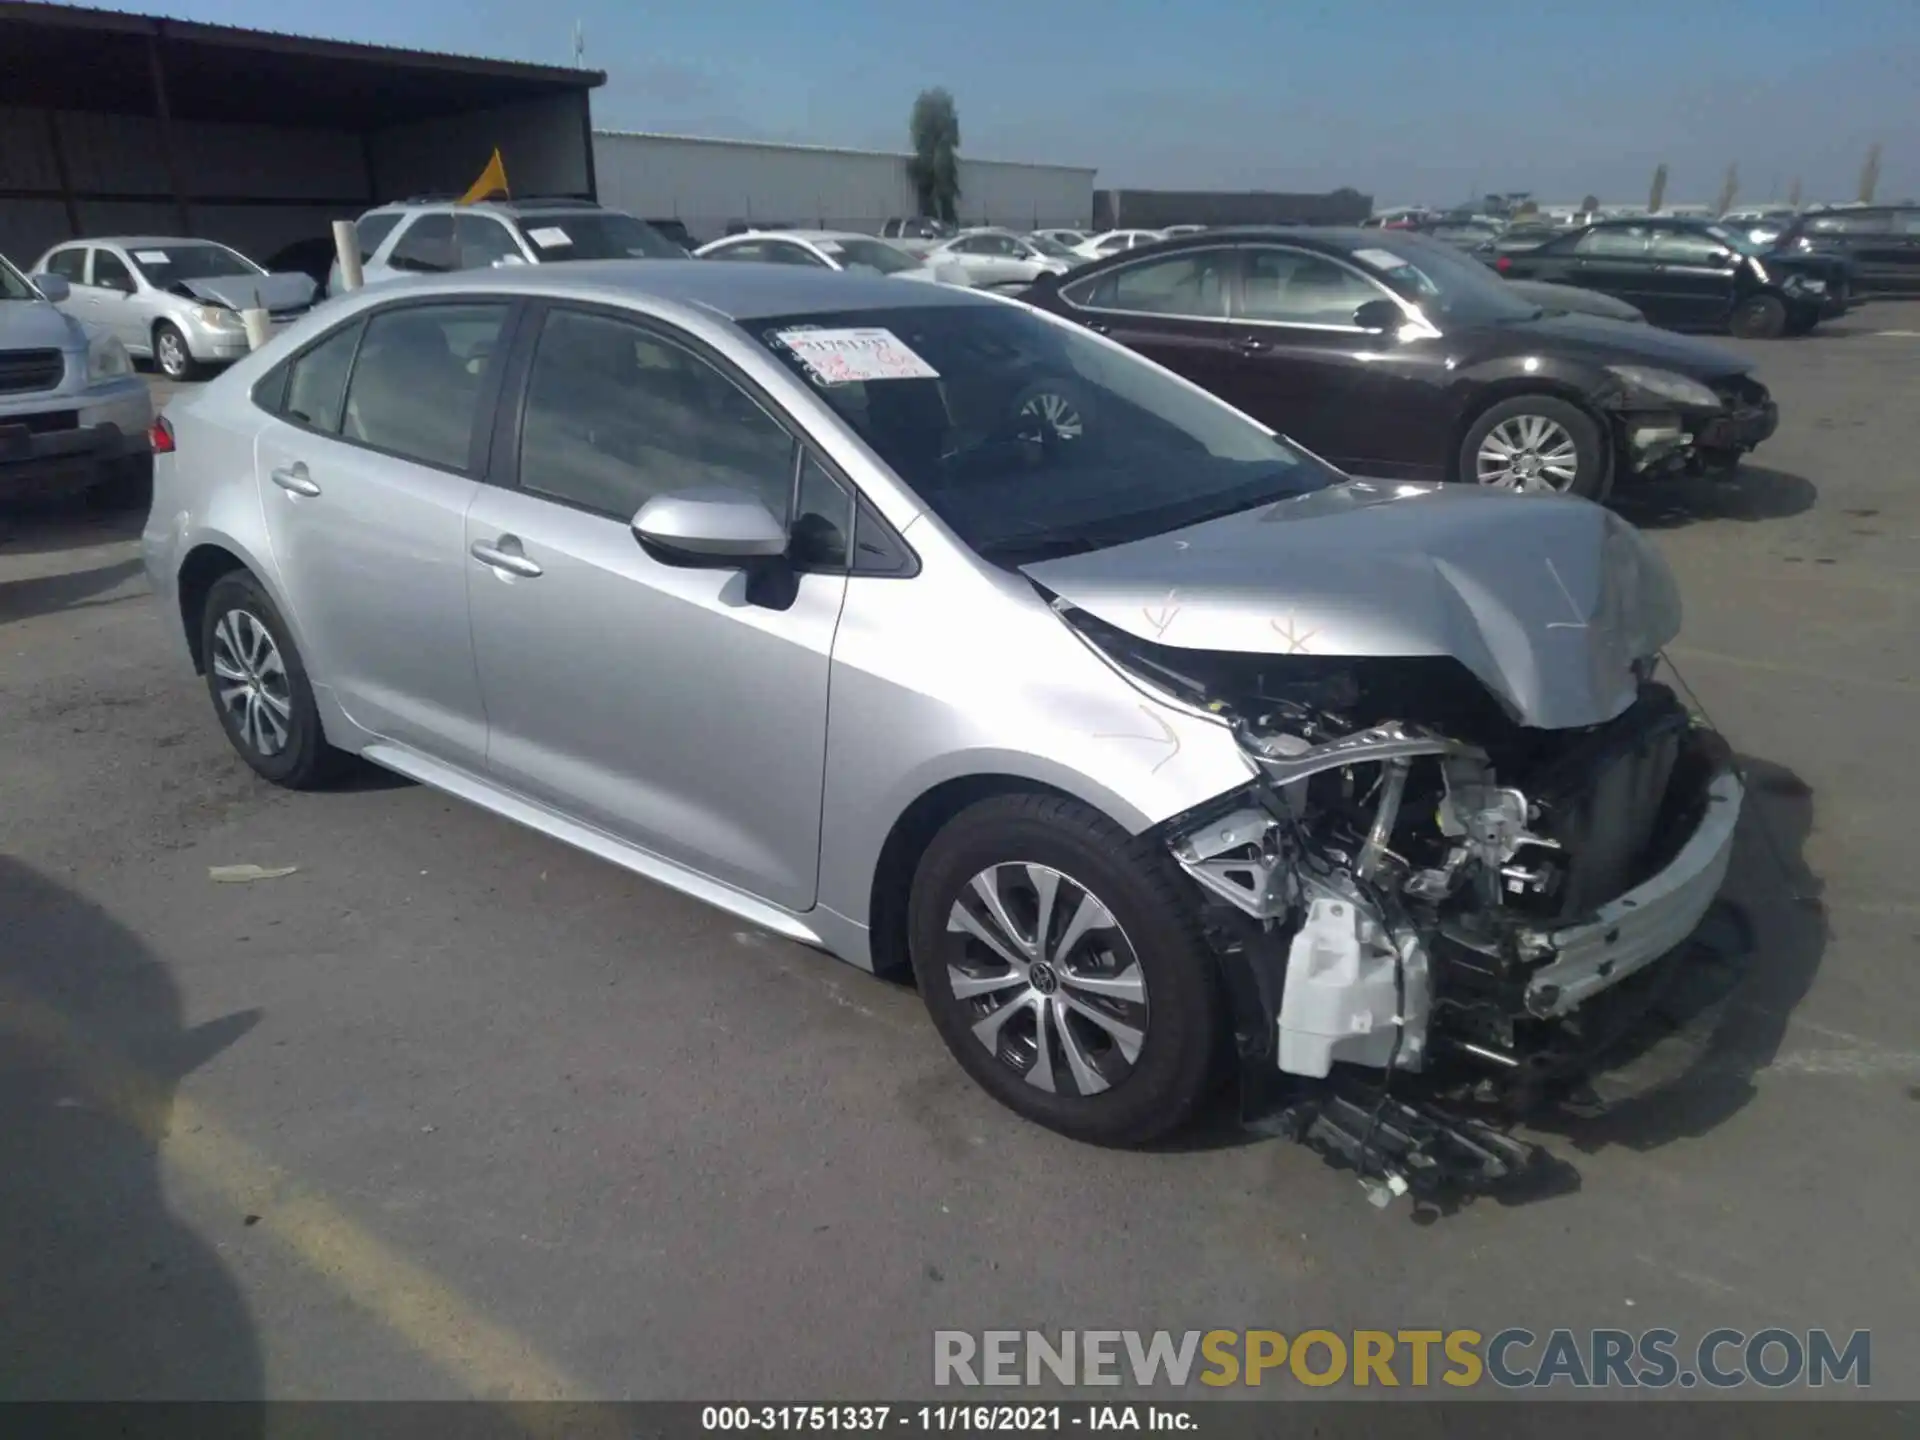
(1692, 275)
(1396, 356)
(1881, 244)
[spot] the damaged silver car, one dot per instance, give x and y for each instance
(922, 627)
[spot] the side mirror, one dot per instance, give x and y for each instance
(1377, 317)
(714, 526)
(52, 288)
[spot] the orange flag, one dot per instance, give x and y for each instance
(493, 180)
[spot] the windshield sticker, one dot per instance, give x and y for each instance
(151, 257)
(831, 247)
(549, 237)
(841, 357)
(1379, 259)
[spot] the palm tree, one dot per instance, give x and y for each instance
(1729, 188)
(1659, 191)
(1870, 174)
(934, 166)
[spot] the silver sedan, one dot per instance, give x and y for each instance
(174, 301)
(917, 625)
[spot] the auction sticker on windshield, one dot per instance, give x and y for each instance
(549, 237)
(1379, 259)
(841, 357)
(151, 257)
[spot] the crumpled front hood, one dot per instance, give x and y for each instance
(276, 292)
(36, 325)
(1549, 601)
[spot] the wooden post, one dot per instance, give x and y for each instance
(164, 112)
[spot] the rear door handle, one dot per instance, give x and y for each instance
(294, 477)
(506, 555)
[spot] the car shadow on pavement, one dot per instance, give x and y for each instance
(1752, 492)
(1721, 1017)
(43, 594)
(109, 1295)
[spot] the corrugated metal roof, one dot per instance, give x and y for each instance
(829, 149)
(41, 13)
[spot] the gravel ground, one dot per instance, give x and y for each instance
(453, 1110)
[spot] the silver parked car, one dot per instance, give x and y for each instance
(1000, 259)
(73, 415)
(917, 625)
(434, 236)
(832, 250)
(171, 300)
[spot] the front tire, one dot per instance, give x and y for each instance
(1538, 443)
(259, 686)
(1061, 964)
(171, 355)
(1759, 317)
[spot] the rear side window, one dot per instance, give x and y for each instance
(417, 381)
(483, 240)
(1685, 246)
(372, 230)
(1194, 284)
(616, 415)
(69, 265)
(1618, 240)
(317, 382)
(425, 245)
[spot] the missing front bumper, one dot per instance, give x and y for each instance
(1650, 921)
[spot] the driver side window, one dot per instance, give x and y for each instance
(110, 272)
(1293, 287)
(1193, 284)
(1615, 241)
(616, 414)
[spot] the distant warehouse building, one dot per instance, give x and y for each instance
(713, 185)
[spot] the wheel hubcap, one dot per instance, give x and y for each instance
(1057, 413)
(171, 358)
(1528, 452)
(252, 682)
(1054, 987)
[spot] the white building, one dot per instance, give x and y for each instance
(709, 185)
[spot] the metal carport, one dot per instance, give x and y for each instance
(115, 123)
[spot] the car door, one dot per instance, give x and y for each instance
(1173, 309)
(1692, 278)
(117, 306)
(1613, 259)
(1303, 365)
(975, 255)
(669, 706)
(366, 472)
(1902, 265)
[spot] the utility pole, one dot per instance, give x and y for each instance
(579, 46)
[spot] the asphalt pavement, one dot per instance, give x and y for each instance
(452, 1110)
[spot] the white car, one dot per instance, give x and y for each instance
(831, 250)
(1112, 242)
(1072, 239)
(1001, 260)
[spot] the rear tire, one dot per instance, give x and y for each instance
(259, 686)
(1109, 1022)
(1759, 317)
(1538, 443)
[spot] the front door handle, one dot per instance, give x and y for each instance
(1251, 345)
(506, 555)
(294, 477)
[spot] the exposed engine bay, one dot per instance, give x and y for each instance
(1419, 885)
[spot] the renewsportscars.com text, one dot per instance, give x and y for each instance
(1513, 1358)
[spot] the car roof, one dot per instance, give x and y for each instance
(735, 292)
(553, 205)
(129, 242)
(812, 237)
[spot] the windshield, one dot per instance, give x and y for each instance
(596, 235)
(1052, 249)
(165, 265)
(1029, 437)
(870, 255)
(13, 285)
(1735, 241)
(1446, 285)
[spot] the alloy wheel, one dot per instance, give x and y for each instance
(172, 353)
(252, 678)
(1056, 412)
(1528, 452)
(1054, 987)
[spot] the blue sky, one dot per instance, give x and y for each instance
(1410, 100)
